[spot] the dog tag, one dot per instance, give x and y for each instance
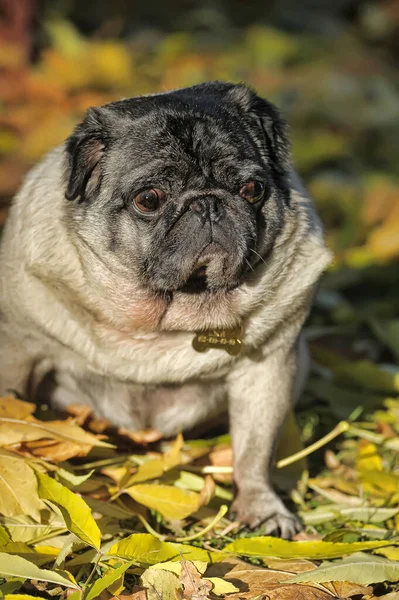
(221, 339)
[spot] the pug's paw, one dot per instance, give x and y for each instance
(267, 511)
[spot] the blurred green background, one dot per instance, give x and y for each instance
(330, 66)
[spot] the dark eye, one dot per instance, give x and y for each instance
(253, 191)
(149, 201)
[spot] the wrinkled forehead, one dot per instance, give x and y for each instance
(190, 141)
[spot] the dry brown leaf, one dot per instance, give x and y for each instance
(222, 456)
(292, 565)
(208, 491)
(55, 451)
(346, 589)
(273, 583)
(142, 437)
(98, 425)
(16, 431)
(79, 412)
(194, 587)
(331, 460)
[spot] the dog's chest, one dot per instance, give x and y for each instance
(165, 357)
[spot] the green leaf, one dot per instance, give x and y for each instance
(28, 552)
(367, 374)
(366, 514)
(173, 503)
(388, 332)
(77, 514)
(108, 579)
(15, 566)
(147, 549)
(363, 569)
(12, 585)
(71, 478)
(270, 546)
(4, 536)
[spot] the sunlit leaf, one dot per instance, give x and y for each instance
(77, 514)
(270, 546)
(106, 581)
(171, 502)
(18, 488)
(15, 566)
(361, 569)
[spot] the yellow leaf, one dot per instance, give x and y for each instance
(170, 501)
(15, 566)
(76, 513)
(147, 549)
(34, 555)
(18, 409)
(270, 546)
(368, 458)
(153, 469)
(110, 577)
(391, 552)
(175, 567)
(386, 482)
(221, 586)
(18, 488)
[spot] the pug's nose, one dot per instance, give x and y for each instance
(208, 207)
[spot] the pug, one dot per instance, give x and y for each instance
(159, 267)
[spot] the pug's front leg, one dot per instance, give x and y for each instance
(260, 396)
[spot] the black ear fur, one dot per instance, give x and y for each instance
(275, 129)
(270, 120)
(85, 147)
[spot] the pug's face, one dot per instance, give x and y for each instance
(185, 190)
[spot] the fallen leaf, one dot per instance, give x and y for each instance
(106, 581)
(270, 546)
(160, 585)
(141, 437)
(368, 458)
(147, 549)
(173, 503)
(153, 469)
(207, 492)
(78, 517)
(18, 488)
(14, 408)
(361, 568)
(194, 586)
(14, 431)
(15, 566)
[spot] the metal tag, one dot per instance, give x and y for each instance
(220, 339)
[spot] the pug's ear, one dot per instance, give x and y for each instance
(275, 131)
(85, 148)
(271, 122)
